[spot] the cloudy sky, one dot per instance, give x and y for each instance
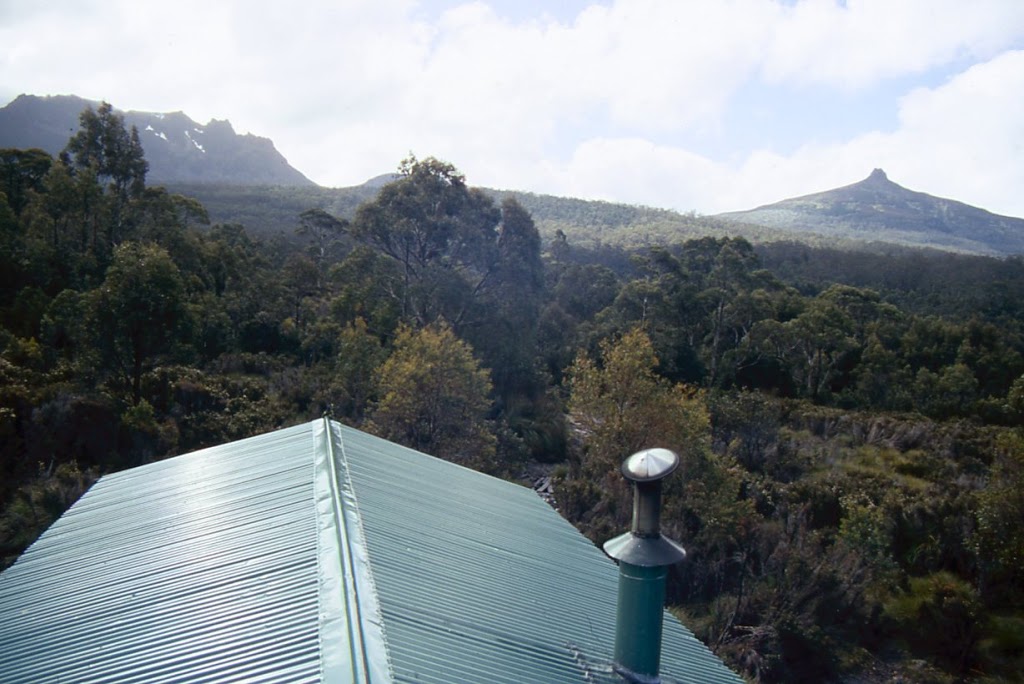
(705, 105)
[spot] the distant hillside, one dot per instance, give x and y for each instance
(872, 214)
(877, 209)
(244, 179)
(586, 223)
(178, 149)
(595, 223)
(267, 210)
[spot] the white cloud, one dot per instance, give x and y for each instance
(648, 173)
(965, 139)
(613, 102)
(854, 44)
(666, 65)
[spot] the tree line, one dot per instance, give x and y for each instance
(852, 465)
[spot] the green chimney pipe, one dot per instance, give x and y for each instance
(644, 557)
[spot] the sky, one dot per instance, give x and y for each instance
(693, 105)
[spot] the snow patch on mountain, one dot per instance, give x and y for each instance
(195, 142)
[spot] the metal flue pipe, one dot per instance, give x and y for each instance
(644, 558)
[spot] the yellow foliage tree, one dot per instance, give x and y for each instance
(622, 406)
(434, 397)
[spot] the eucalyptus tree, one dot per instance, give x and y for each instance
(139, 310)
(22, 173)
(325, 234)
(442, 235)
(115, 153)
(443, 251)
(77, 209)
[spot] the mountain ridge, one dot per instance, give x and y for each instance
(178, 149)
(243, 178)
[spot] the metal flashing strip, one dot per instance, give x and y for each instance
(352, 643)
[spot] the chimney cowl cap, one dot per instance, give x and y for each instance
(649, 465)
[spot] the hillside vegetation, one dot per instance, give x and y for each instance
(875, 215)
(849, 424)
(270, 211)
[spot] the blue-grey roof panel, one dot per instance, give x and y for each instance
(480, 580)
(316, 553)
(199, 568)
(219, 565)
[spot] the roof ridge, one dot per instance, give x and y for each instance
(350, 613)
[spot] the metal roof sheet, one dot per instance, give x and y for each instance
(479, 580)
(317, 553)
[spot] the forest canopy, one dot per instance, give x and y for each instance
(849, 422)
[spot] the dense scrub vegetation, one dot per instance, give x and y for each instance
(849, 422)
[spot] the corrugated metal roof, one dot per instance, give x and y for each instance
(317, 553)
(479, 580)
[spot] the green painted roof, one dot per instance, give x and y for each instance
(317, 553)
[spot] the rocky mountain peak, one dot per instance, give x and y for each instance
(178, 149)
(880, 210)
